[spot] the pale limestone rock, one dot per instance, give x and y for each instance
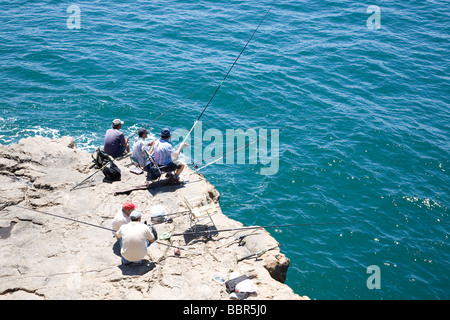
(45, 257)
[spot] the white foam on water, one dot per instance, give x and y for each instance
(14, 134)
(87, 142)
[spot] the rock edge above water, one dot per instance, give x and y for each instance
(45, 257)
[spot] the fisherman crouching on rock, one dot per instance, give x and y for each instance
(136, 237)
(122, 216)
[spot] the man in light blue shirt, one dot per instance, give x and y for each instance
(141, 149)
(166, 156)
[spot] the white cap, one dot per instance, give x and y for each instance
(116, 122)
(135, 214)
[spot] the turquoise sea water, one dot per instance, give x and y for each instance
(372, 143)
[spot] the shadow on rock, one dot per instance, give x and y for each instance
(137, 269)
(116, 248)
(205, 233)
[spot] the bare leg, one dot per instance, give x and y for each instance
(178, 172)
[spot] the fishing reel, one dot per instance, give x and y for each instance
(168, 220)
(207, 235)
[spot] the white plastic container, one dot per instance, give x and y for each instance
(157, 214)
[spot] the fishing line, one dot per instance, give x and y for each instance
(259, 253)
(146, 126)
(93, 225)
(215, 120)
(63, 217)
(223, 80)
(166, 236)
(234, 151)
(97, 171)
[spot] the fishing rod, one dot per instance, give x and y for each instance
(63, 217)
(204, 109)
(94, 225)
(80, 183)
(234, 63)
(168, 218)
(259, 253)
(208, 233)
(176, 247)
(146, 126)
(98, 170)
(101, 169)
(234, 151)
(239, 240)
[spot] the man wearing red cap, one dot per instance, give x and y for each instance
(123, 216)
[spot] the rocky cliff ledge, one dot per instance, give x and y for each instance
(46, 257)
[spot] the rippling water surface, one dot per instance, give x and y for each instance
(371, 144)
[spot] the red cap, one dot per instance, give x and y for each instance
(129, 206)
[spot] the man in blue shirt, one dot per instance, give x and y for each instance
(115, 142)
(166, 156)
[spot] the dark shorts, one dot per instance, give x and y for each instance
(177, 164)
(121, 151)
